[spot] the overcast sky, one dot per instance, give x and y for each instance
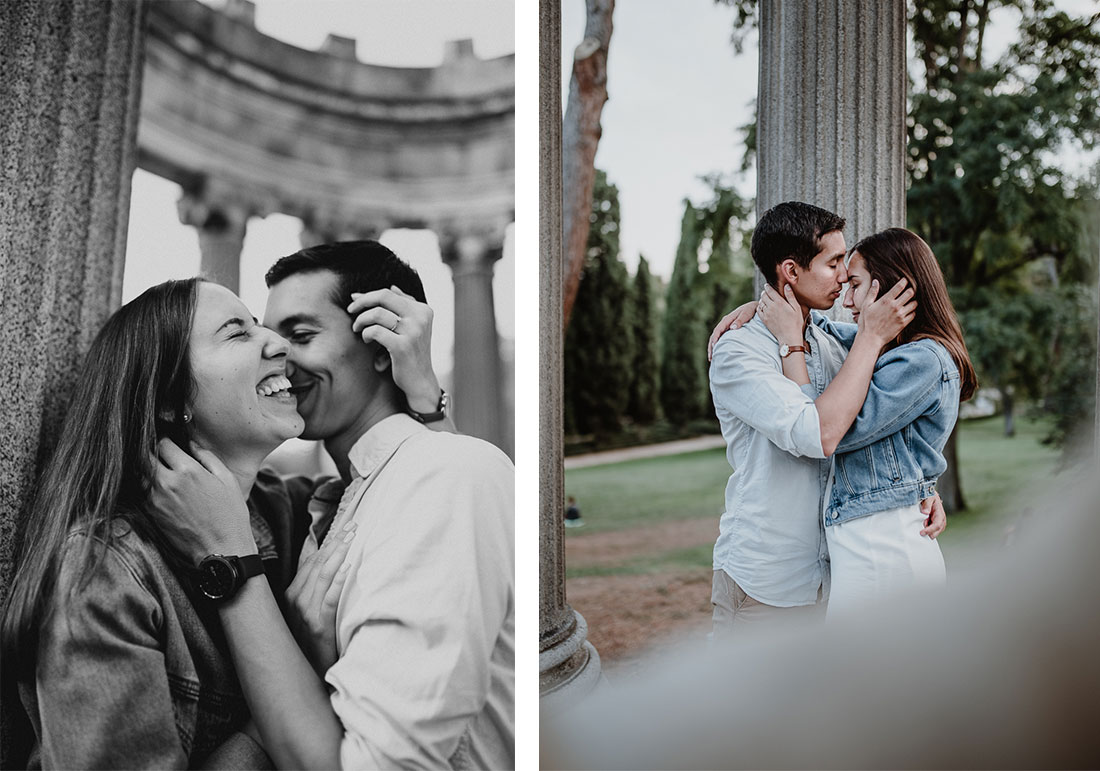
(404, 33)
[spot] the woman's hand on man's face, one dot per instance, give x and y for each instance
(782, 315)
(198, 505)
(403, 326)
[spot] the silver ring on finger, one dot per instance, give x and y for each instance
(396, 321)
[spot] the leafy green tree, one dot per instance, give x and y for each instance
(722, 221)
(683, 377)
(644, 405)
(598, 340)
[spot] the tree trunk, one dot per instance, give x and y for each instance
(950, 486)
(580, 135)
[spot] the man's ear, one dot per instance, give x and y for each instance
(788, 271)
(382, 360)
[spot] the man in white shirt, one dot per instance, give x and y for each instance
(770, 559)
(425, 621)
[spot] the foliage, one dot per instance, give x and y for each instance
(722, 225)
(643, 404)
(599, 338)
(683, 378)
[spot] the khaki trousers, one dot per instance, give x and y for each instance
(734, 610)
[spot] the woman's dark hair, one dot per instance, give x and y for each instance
(133, 386)
(897, 253)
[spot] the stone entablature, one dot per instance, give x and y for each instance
(322, 136)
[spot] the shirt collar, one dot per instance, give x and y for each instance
(381, 441)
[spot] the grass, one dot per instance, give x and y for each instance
(998, 475)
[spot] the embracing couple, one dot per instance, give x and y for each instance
(177, 605)
(835, 431)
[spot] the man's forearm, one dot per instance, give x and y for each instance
(839, 404)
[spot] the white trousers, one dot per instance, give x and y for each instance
(874, 556)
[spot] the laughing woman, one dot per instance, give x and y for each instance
(119, 660)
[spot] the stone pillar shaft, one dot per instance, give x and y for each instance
(222, 228)
(70, 80)
(831, 109)
(477, 347)
(568, 664)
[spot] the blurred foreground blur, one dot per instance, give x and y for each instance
(999, 670)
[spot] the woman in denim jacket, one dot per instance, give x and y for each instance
(120, 662)
(892, 455)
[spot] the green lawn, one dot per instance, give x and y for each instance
(997, 475)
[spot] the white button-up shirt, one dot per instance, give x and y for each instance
(771, 539)
(425, 623)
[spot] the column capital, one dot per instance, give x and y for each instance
(472, 248)
(219, 214)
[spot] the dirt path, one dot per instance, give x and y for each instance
(628, 614)
(646, 451)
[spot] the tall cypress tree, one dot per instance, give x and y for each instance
(644, 404)
(682, 374)
(598, 340)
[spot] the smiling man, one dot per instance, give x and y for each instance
(425, 625)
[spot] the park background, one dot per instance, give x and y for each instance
(1002, 178)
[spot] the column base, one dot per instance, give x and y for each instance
(569, 670)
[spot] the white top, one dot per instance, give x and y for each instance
(425, 622)
(771, 539)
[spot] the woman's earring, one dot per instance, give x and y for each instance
(187, 417)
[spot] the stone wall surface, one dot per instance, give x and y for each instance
(70, 75)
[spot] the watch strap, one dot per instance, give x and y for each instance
(248, 566)
(431, 417)
(794, 349)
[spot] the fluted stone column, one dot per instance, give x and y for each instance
(70, 79)
(569, 666)
(831, 110)
(477, 346)
(222, 227)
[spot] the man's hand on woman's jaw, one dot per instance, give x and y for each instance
(197, 504)
(884, 318)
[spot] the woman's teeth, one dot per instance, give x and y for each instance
(272, 385)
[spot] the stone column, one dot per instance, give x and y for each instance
(70, 80)
(569, 666)
(477, 347)
(831, 110)
(222, 227)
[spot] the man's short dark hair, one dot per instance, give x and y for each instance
(791, 230)
(360, 266)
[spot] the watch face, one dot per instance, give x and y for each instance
(784, 351)
(216, 577)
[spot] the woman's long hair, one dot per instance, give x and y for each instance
(897, 253)
(132, 390)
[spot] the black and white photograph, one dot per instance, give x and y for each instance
(258, 499)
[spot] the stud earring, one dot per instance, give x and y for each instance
(187, 417)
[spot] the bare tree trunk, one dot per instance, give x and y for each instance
(580, 135)
(1009, 405)
(950, 485)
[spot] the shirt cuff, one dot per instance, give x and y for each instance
(810, 391)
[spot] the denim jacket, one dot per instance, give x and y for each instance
(893, 453)
(134, 671)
